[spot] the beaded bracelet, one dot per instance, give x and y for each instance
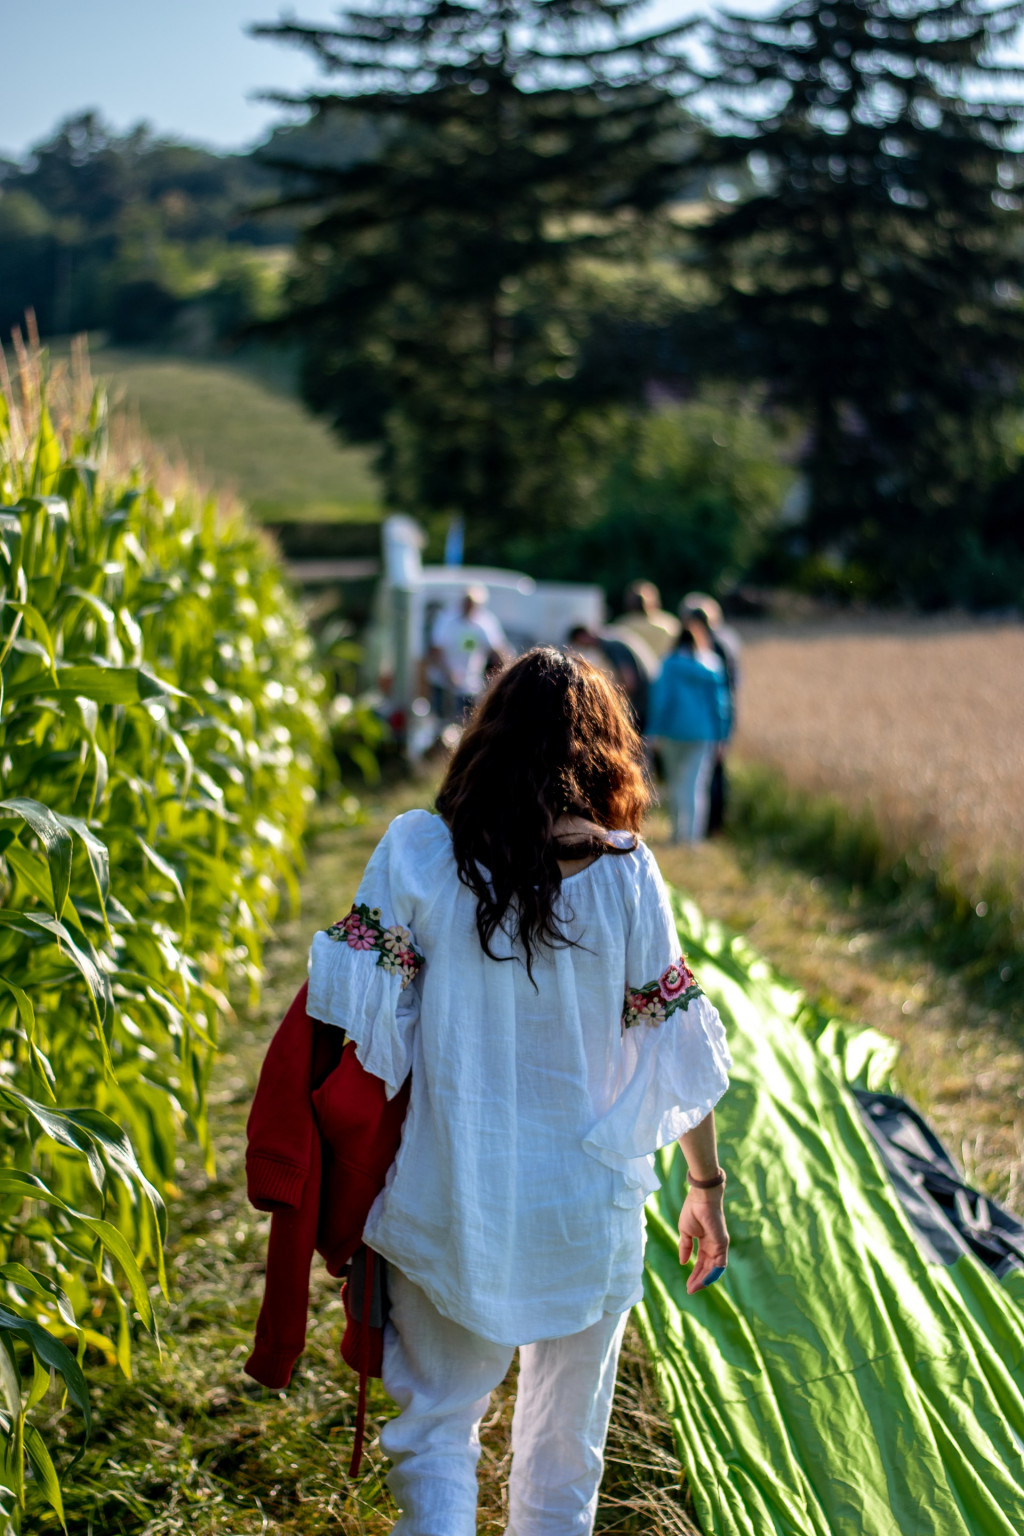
(715, 1183)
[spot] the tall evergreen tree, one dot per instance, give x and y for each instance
(871, 266)
(446, 286)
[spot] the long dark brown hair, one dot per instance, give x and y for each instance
(551, 736)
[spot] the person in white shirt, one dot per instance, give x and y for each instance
(516, 957)
(462, 645)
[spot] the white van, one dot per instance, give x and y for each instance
(409, 599)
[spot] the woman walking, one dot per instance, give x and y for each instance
(688, 718)
(517, 955)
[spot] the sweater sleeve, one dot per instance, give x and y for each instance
(363, 970)
(675, 1062)
(280, 1128)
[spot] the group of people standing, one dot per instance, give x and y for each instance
(681, 676)
(679, 673)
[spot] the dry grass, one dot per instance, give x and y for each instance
(862, 956)
(922, 720)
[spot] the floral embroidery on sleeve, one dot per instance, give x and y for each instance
(653, 1003)
(362, 929)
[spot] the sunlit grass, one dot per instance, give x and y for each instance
(247, 436)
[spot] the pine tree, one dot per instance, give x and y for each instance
(446, 287)
(870, 268)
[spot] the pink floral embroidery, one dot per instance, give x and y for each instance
(652, 1004)
(675, 980)
(361, 938)
(362, 929)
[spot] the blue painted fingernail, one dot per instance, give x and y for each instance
(713, 1275)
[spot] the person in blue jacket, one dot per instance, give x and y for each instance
(688, 715)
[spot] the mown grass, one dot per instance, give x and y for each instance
(246, 435)
(193, 1445)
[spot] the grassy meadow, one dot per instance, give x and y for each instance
(245, 434)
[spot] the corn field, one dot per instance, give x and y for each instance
(160, 742)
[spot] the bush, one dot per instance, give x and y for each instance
(691, 493)
(160, 743)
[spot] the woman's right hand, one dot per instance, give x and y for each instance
(702, 1227)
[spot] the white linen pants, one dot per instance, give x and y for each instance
(441, 1376)
(689, 768)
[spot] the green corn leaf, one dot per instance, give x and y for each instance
(10, 1377)
(28, 615)
(56, 840)
(164, 996)
(54, 1355)
(12, 536)
(47, 458)
(97, 854)
(97, 983)
(34, 871)
(27, 647)
(118, 1247)
(45, 1471)
(23, 1003)
(59, 1125)
(94, 1134)
(41, 1379)
(107, 685)
(34, 621)
(12, 1462)
(27, 1015)
(102, 610)
(39, 1285)
(161, 865)
(124, 1337)
(29, 1187)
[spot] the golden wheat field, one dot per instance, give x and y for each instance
(921, 719)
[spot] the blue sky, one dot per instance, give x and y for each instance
(185, 66)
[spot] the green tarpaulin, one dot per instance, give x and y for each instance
(835, 1382)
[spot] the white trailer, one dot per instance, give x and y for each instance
(409, 599)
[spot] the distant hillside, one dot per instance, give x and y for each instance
(153, 241)
(245, 434)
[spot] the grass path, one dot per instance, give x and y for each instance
(192, 1445)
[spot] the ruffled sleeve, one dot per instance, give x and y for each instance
(674, 1061)
(363, 969)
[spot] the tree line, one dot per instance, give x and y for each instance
(735, 296)
(568, 218)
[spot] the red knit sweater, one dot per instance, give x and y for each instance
(322, 1136)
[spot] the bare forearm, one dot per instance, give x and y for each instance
(702, 1218)
(700, 1148)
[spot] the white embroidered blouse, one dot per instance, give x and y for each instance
(516, 1199)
